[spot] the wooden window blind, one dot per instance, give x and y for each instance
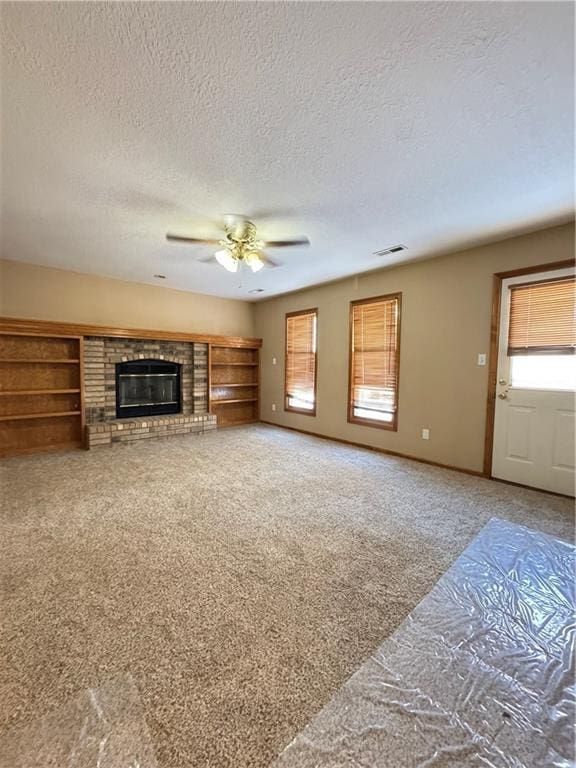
(300, 385)
(374, 361)
(543, 318)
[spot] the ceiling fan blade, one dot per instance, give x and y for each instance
(287, 243)
(271, 213)
(268, 262)
(182, 239)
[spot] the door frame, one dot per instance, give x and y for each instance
(493, 353)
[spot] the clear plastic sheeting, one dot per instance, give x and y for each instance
(101, 728)
(480, 674)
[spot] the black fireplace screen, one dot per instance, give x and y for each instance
(147, 388)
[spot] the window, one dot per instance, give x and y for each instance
(542, 334)
(553, 372)
(374, 361)
(300, 384)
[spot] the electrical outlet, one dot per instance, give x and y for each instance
(425, 434)
(482, 359)
(273, 406)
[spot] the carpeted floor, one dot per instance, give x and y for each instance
(240, 577)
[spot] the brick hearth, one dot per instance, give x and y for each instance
(129, 430)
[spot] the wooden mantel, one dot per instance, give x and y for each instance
(16, 325)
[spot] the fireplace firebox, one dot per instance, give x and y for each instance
(147, 388)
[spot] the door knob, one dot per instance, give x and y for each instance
(502, 381)
(503, 395)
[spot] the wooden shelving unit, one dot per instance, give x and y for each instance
(22, 392)
(234, 384)
(39, 416)
(38, 360)
(41, 406)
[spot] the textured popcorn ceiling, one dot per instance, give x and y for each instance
(361, 125)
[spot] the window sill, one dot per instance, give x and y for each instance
(303, 411)
(390, 426)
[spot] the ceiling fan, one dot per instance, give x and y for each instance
(240, 245)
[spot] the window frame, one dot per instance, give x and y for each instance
(391, 426)
(291, 408)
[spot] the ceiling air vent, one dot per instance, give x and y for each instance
(392, 249)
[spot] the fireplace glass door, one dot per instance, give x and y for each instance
(147, 388)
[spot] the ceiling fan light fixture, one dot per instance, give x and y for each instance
(226, 260)
(240, 245)
(252, 258)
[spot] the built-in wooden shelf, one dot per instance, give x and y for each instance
(21, 392)
(39, 360)
(42, 373)
(41, 405)
(234, 384)
(248, 384)
(22, 416)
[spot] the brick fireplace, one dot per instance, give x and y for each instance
(101, 354)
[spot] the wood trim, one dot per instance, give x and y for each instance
(224, 344)
(393, 427)
(29, 392)
(82, 394)
(258, 387)
(493, 354)
(385, 451)
(39, 360)
(290, 409)
(492, 374)
(24, 327)
(566, 264)
(209, 378)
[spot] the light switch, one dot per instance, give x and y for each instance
(425, 434)
(481, 359)
(273, 361)
(273, 406)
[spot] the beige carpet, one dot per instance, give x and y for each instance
(239, 577)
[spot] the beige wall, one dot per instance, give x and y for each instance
(446, 306)
(42, 293)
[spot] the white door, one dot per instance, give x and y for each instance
(534, 427)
